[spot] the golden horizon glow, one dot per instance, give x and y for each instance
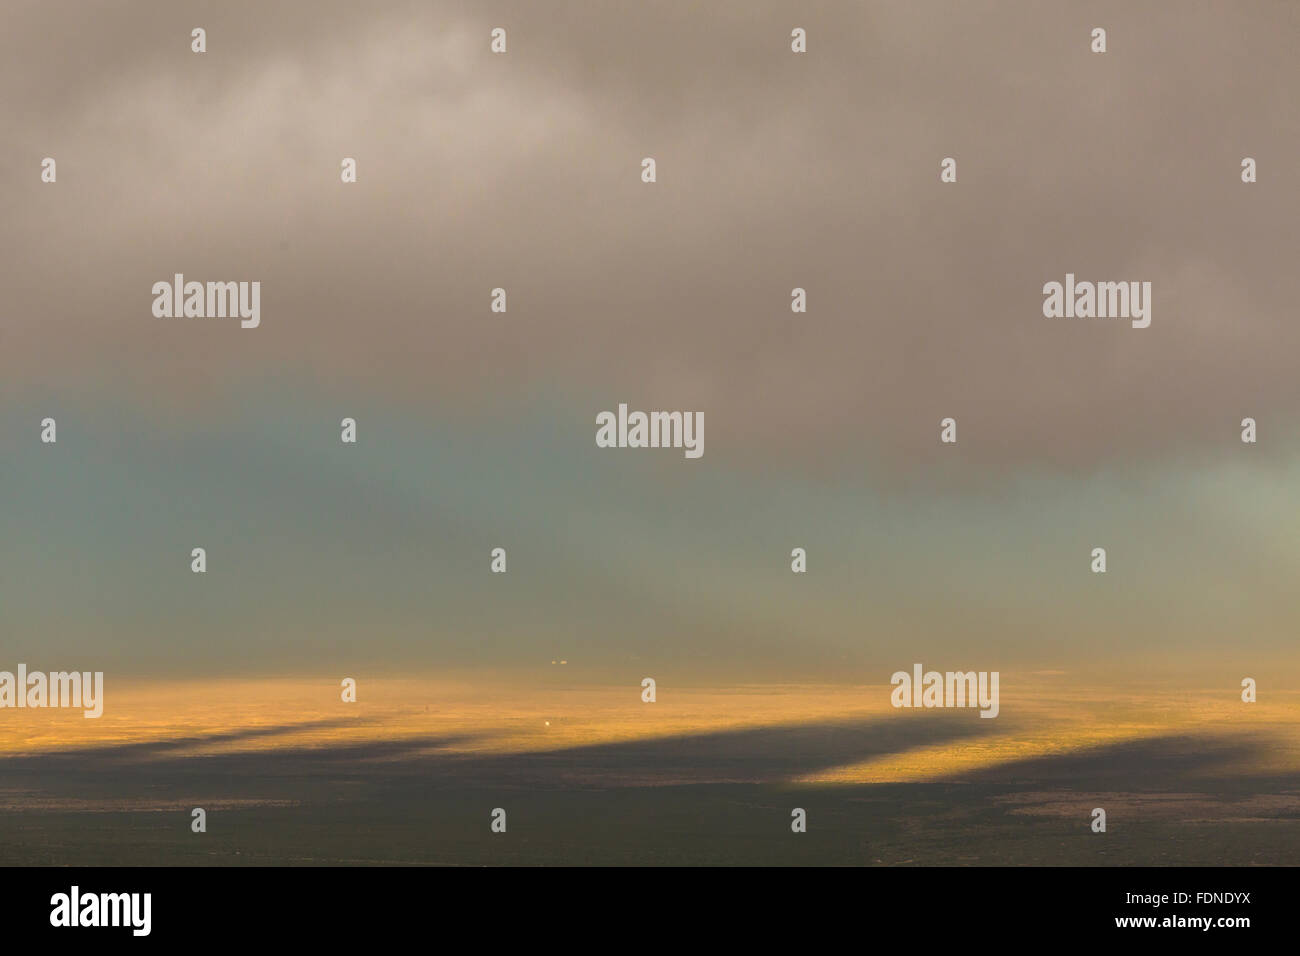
(460, 717)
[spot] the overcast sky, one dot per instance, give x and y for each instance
(522, 171)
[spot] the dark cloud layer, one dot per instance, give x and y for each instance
(775, 170)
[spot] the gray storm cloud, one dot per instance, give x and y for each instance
(775, 171)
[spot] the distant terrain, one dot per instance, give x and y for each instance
(338, 791)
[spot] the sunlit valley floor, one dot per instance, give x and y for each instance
(587, 773)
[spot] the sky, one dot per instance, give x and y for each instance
(476, 429)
